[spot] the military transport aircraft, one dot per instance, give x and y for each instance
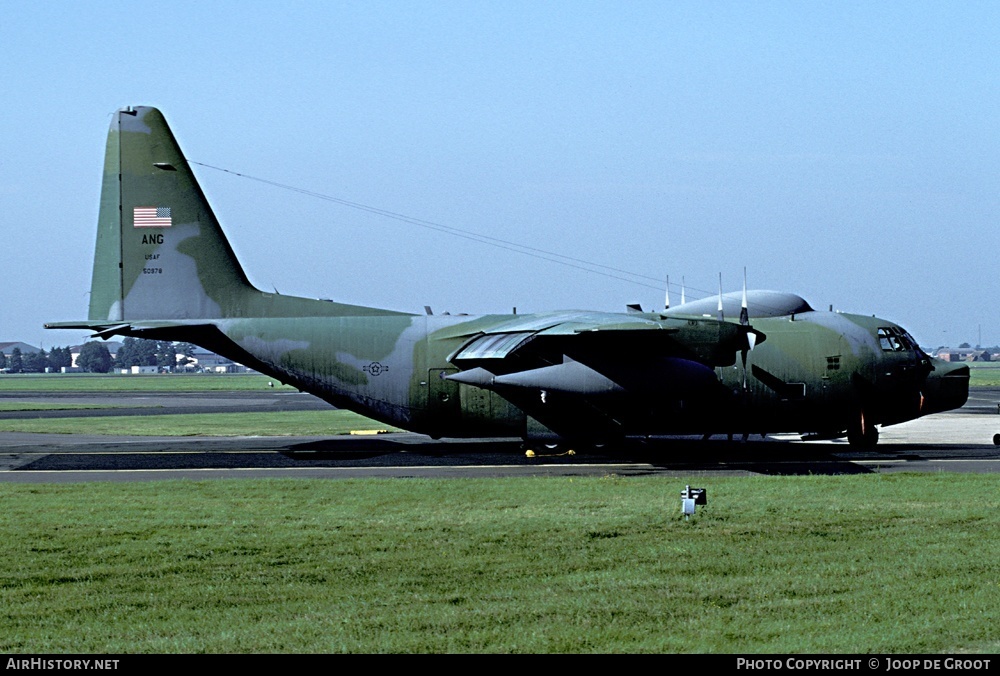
(753, 362)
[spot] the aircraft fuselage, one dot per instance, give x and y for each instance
(816, 372)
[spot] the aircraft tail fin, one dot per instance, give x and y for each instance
(161, 253)
(163, 266)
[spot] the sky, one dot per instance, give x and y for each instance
(844, 151)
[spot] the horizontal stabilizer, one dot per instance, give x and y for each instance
(101, 330)
(174, 330)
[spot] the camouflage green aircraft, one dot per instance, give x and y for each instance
(758, 362)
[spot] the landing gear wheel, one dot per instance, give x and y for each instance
(861, 433)
(558, 448)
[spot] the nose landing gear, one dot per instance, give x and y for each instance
(861, 433)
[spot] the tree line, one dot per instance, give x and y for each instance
(36, 362)
(94, 357)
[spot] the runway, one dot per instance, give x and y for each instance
(959, 441)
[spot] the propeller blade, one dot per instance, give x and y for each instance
(744, 311)
(748, 333)
(721, 316)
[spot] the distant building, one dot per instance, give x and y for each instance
(203, 360)
(963, 354)
(112, 345)
(8, 348)
(136, 370)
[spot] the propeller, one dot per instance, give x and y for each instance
(745, 315)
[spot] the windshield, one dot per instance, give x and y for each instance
(895, 339)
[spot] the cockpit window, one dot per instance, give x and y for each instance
(908, 340)
(892, 339)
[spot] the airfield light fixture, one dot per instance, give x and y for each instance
(690, 498)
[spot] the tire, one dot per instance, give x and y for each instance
(862, 434)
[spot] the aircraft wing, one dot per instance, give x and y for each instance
(575, 372)
(555, 366)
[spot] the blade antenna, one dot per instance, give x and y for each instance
(683, 300)
(666, 300)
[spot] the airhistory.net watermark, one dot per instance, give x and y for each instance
(55, 664)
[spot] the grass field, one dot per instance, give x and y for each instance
(848, 564)
(984, 374)
(281, 423)
(95, 382)
(270, 424)
(881, 563)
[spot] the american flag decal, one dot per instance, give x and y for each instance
(151, 217)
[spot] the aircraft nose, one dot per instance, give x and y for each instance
(946, 388)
